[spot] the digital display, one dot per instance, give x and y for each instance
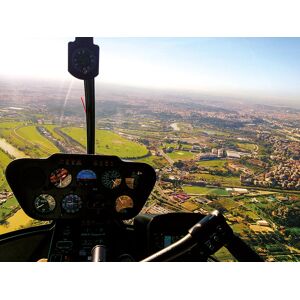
(170, 239)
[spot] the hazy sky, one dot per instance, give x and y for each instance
(263, 67)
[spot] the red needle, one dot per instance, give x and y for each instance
(83, 104)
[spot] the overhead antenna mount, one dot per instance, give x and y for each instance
(83, 63)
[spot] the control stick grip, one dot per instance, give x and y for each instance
(99, 253)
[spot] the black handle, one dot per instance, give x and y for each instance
(241, 251)
(211, 233)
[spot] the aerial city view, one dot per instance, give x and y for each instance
(236, 153)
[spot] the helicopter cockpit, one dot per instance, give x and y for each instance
(94, 202)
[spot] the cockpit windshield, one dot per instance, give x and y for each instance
(217, 118)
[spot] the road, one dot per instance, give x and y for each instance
(163, 154)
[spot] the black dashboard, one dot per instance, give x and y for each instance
(72, 186)
(88, 197)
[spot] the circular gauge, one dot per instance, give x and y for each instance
(123, 203)
(111, 179)
(86, 177)
(44, 203)
(60, 178)
(71, 203)
(84, 61)
(133, 181)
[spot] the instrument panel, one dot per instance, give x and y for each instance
(78, 186)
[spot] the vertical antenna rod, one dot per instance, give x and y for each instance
(83, 63)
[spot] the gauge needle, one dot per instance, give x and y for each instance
(40, 206)
(114, 183)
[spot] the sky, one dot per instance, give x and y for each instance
(268, 68)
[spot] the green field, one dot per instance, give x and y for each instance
(212, 131)
(108, 143)
(223, 180)
(189, 206)
(154, 161)
(181, 155)
(10, 203)
(204, 190)
(239, 228)
(7, 132)
(166, 145)
(31, 134)
(143, 134)
(216, 163)
(224, 255)
(17, 221)
(4, 161)
(26, 139)
(226, 203)
(246, 146)
(10, 125)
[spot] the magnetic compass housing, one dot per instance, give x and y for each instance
(83, 58)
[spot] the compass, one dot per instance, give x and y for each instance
(83, 58)
(84, 61)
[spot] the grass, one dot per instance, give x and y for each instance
(10, 203)
(4, 161)
(227, 203)
(224, 255)
(31, 134)
(7, 132)
(223, 180)
(17, 221)
(9, 125)
(166, 145)
(260, 229)
(154, 161)
(189, 206)
(144, 134)
(205, 190)
(217, 163)
(181, 155)
(249, 213)
(108, 143)
(26, 139)
(239, 228)
(212, 132)
(246, 146)
(3, 182)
